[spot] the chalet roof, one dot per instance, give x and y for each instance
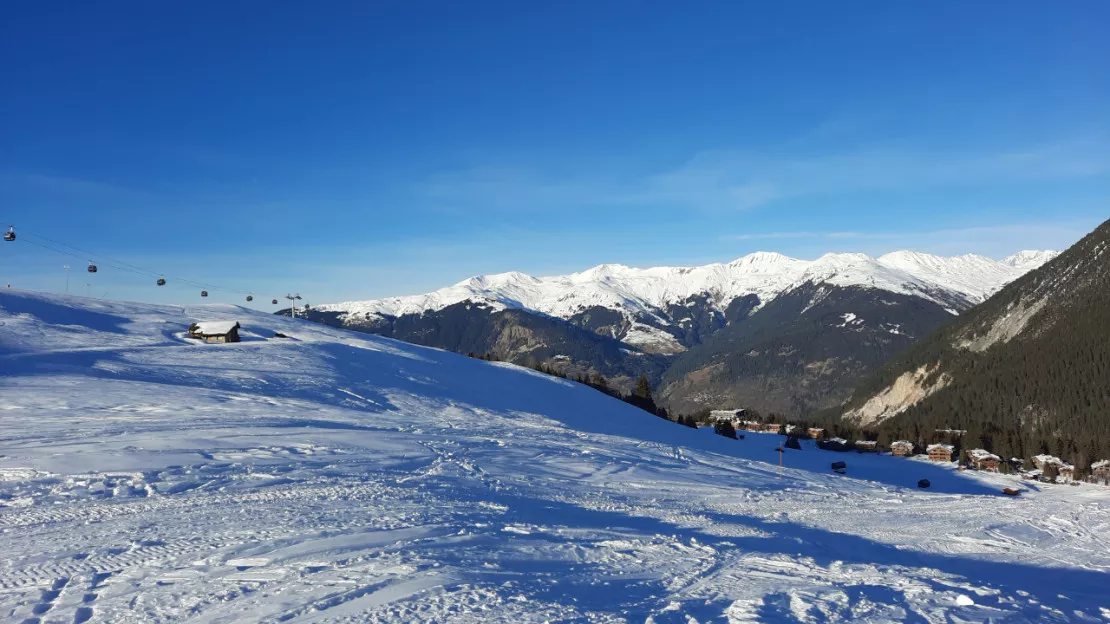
(1101, 464)
(836, 440)
(866, 443)
(1046, 460)
(214, 328)
(933, 447)
(902, 443)
(816, 429)
(982, 454)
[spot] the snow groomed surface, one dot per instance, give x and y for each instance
(340, 477)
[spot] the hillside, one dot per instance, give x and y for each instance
(685, 327)
(330, 476)
(1026, 372)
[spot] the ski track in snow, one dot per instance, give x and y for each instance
(335, 477)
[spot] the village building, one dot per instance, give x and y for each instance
(1043, 461)
(1040, 461)
(833, 444)
(772, 427)
(1101, 469)
(940, 452)
(731, 415)
(901, 448)
(752, 425)
(816, 433)
(981, 459)
(867, 446)
(215, 331)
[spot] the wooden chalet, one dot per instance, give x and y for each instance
(215, 331)
(981, 459)
(752, 425)
(1040, 461)
(833, 444)
(940, 452)
(1064, 470)
(731, 415)
(1101, 469)
(816, 433)
(901, 448)
(772, 427)
(867, 446)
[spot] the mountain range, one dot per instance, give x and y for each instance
(765, 331)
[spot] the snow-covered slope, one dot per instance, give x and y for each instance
(764, 274)
(340, 477)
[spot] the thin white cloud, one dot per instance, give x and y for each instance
(734, 180)
(994, 240)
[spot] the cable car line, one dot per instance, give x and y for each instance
(95, 260)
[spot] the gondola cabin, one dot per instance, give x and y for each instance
(215, 331)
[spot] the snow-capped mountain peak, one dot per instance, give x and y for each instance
(1029, 259)
(644, 294)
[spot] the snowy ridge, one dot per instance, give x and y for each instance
(764, 274)
(340, 477)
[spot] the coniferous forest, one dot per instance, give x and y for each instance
(1026, 372)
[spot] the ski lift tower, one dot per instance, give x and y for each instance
(293, 298)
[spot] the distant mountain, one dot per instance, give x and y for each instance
(670, 323)
(1026, 372)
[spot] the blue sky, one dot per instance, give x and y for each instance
(361, 149)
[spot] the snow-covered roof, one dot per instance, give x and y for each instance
(902, 443)
(982, 454)
(866, 443)
(215, 328)
(1104, 463)
(816, 429)
(837, 440)
(933, 447)
(1051, 460)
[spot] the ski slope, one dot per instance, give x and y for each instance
(340, 477)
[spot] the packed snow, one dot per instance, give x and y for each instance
(764, 274)
(341, 477)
